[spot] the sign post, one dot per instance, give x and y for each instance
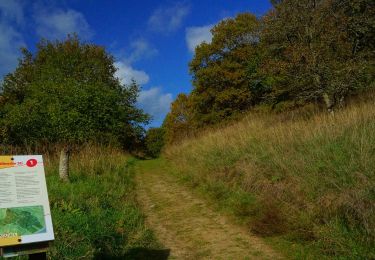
(25, 216)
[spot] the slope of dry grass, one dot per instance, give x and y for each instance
(311, 181)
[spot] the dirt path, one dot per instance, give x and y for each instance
(187, 226)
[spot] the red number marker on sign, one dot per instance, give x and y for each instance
(31, 163)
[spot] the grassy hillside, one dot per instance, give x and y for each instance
(310, 182)
(96, 215)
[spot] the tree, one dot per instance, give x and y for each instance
(317, 51)
(223, 71)
(178, 123)
(67, 94)
(154, 141)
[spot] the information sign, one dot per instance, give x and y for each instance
(25, 216)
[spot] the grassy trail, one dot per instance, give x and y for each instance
(185, 223)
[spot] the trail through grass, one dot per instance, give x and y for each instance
(186, 224)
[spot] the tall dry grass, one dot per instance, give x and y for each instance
(309, 179)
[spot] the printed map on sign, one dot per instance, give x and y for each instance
(25, 215)
(22, 221)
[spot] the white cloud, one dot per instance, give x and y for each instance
(12, 10)
(125, 72)
(10, 42)
(155, 103)
(11, 15)
(140, 49)
(197, 35)
(168, 19)
(57, 24)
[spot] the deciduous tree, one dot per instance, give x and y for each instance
(66, 93)
(222, 70)
(317, 51)
(178, 123)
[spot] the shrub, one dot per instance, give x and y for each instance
(154, 141)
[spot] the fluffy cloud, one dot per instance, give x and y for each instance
(168, 19)
(155, 103)
(197, 35)
(125, 72)
(10, 42)
(56, 24)
(140, 49)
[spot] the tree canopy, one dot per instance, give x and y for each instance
(67, 93)
(179, 122)
(315, 50)
(221, 70)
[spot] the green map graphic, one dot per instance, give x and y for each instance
(22, 220)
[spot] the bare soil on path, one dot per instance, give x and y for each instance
(187, 225)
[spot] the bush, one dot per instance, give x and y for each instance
(154, 141)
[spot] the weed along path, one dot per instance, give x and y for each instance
(186, 225)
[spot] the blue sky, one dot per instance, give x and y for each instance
(152, 41)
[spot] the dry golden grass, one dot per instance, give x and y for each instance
(86, 158)
(311, 178)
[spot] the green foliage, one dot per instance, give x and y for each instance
(67, 93)
(318, 51)
(154, 140)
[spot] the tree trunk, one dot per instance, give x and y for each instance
(329, 103)
(64, 164)
(341, 102)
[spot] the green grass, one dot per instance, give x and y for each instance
(96, 214)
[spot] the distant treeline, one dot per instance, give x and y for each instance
(300, 52)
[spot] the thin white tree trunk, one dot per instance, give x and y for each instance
(329, 103)
(64, 164)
